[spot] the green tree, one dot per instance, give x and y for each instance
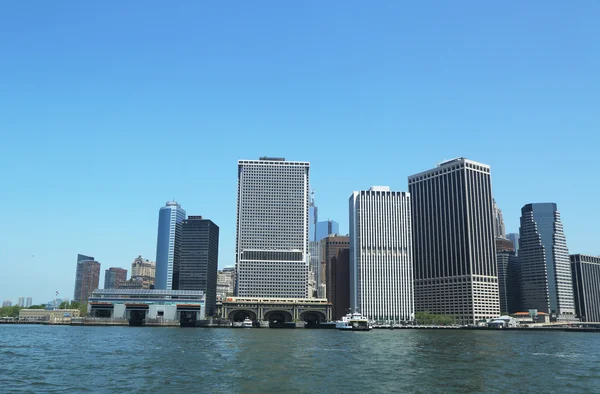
(426, 318)
(82, 310)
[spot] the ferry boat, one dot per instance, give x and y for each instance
(247, 323)
(353, 322)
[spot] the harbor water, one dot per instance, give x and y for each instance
(39, 359)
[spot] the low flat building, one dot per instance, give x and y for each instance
(139, 305)
(52, 316)
(529, 318)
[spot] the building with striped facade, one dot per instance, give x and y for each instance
(546, 279)
(381, 273)
(586, 286)
(453, 241)
(272, 251)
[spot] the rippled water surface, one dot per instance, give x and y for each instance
(129, 359)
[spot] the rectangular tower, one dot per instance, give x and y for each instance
(114, 275)
(199, 258)
(87, 278)
(381, 260)
(453, 237)
(272, 228)
(586, 286)
(329, 247)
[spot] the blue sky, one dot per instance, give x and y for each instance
(108, 110)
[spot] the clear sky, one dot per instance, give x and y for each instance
(109, 109)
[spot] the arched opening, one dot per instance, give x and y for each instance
(241, 315)
(312, 318)
(277, 319)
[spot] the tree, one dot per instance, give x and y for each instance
(426, 318)
(82, 310)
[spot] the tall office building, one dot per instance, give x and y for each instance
(7, 303)
(329, 247)
(381, 264)
(272, 228)
(313, 246)
(339, 290)
(114, 275)
(586, 286)
(509, 285)
(28, 302)
(546, 279)
(167, 246)
(326, 228)
(22, 302)
(454, 245)
(87, 278)
(225, 281)
(514, 238)
(143, 269)
(199, 258)
(499, 229)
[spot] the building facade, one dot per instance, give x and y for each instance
(272, 255)
(225, 282)
(199, 258)
(313, 247)
(499, 229)
(87, 278)
(514, 238)
(509, 284)
(586, 286)
(329, 247)
(546, 279)
(167, 246)
(21, 302)
(7, 303)
(144, 269)
(340, 284)
(454, 242)
(28, 302)
(381, 259)
(114, 275)
(327, 227)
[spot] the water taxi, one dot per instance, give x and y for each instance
(353, 322)
(247, 323)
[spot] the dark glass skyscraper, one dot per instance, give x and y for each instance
(586, 286)
(546, 280)
(199, 258)
(455, 268)
(326, 228)
(167, 246)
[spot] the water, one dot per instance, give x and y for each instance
(128, 359)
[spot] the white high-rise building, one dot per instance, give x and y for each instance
(381, 263)
(272, 228)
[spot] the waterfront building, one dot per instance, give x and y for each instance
(7, 303)
(326, 228)
(199, 258)
(225, 281)
(278, 312)
(339, 290)
(87, 278)
(28, 302)
(509, 283)
(514, 238)
(546, 279)
(144, 269)
(141, 306)
(586, 286)
(22, 302)
(499, 229)
(113, 275)
(167, 246)
(329, 247)
(455, 268)
(381, 264)
(51, 316)
(272, 228)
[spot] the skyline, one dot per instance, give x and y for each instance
(100, 128)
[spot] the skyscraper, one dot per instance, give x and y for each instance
(509, 285)
(329, 247)
(326, 228)
(453, 237)
(22, 302)
(546, 279)
(7, 303)
(586, 280)
(313, 246)
(272, 228)
(167, 246)
(514, 238)
(87, 278)
(114, 275)
(225, 279)
(339, 290)
(28, 302)
(381, 264)
(499, 229)
(199, 258)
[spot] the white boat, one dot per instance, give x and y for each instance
(247, 323)
(353, 322)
